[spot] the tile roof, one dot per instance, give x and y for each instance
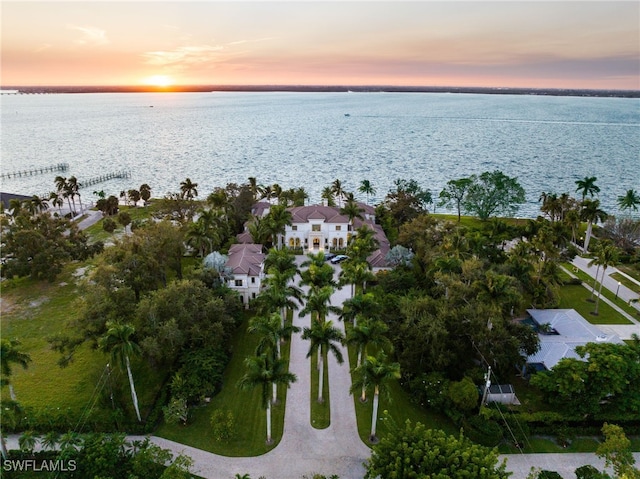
(246, 259)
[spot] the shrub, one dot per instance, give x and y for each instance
(223, 425)
(109, 225)
(483, 431)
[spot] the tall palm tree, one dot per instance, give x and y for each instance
(73, 188)
(592, 214)
(361, 305)
(629, 201)
(337, 190)
(278, 218)
(352, 210)
(318, 301)
(56, 201)
(40, 204)
(10, 354)
(597, 252)
(609, 256)
(282, 261)
(356, 272)
(63, 189)
(374, 373)
(317, 273)
(272, 332)
(198, 236)
(323, 337)
(587, 186)
(327, 194)
(368, 332)
(279, 294)
(254, 187)
(367, 188)
(188, 189)
(118, 342)
(263, 371)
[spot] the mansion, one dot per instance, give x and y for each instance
(313, 229)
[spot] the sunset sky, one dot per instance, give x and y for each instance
(573, 44)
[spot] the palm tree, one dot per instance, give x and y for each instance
(608, 257)
(279, 294)
(145, 192)
(367, 188)
(27, 442)
(263, 371)
(188, 189)
(134, 196)
(50, 440)
(356, 272)
(254, 187)
(368, 332)
(272, 332)
(597, 254)
(327, 194)
(352, 210)
(629, 201)
(198, 236)
(375, 372)
(323, 337)
(277, 220)
(337, 190)
(361, 305)
(591, 213)
(282, 261)
(56, 201)
(587, 186)
(319, 302)
(10, 354)
(63, 189)
(118, 342)
(317, 273)
(73, 188)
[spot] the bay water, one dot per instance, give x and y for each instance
(310, 139)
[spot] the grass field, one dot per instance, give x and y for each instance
(575, 296)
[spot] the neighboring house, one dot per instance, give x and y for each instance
(5, 198)
(560, 332)
(246, 264)
(317, 228)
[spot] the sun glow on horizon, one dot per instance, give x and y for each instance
(161, 81)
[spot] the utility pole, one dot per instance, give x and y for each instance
(487, 385)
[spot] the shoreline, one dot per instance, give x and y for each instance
(21, 90)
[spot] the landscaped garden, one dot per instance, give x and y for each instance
(187, 362)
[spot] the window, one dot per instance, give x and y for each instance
(294, 228)
(238, 282)
(338, 228)
(253, 279)
(315, 227)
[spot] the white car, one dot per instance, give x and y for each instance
(339, 258)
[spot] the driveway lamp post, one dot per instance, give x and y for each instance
(617, 289)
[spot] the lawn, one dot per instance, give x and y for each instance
(249, 437)
(399, 407)
(632, 285)
(610, 295)
(320, 411)
(575, 296)
(32, 311)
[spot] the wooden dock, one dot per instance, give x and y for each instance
(102, 178)
(36, 171)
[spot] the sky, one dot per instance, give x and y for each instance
(535, 44)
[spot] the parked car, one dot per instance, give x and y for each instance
(339, 259)
(329, 256)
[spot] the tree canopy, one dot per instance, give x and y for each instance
(415, 452)
(493, 193)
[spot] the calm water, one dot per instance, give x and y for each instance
(306, 139)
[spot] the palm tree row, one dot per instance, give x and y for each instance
(69, 189)
(267, 369)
